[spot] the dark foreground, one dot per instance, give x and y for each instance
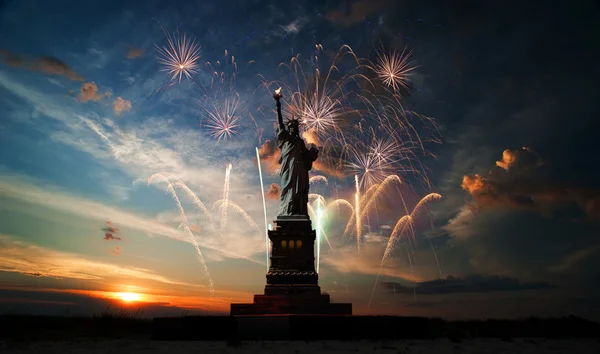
(433, 346)
(15, 328)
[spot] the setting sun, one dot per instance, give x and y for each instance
(129, 297)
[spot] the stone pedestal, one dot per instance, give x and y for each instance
(292, 282)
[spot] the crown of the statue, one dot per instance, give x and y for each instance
(293, 122)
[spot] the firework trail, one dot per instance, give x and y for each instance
(407, 221)
(195, 199)
(225, 197)
(357, 212)
(179, 57)
(318, 233)
(221, 204)
(185, 226)
(262, 189)
(318, 178)
(339, 202)
(368, 194)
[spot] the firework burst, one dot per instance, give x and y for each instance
(393, 68)
(223, 111)
(222, 117)
(179, 56)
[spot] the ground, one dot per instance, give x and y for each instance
(438, 346)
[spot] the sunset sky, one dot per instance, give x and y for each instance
(88, 116)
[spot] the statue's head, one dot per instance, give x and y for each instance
(293, 126)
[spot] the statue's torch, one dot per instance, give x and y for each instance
(277, 94)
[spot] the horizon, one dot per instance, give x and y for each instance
(475, 120)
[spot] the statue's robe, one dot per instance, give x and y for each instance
(295, 162)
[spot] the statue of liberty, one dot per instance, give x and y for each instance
(295, 160)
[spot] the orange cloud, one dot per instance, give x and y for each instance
(120, 105)
(28, 259)
(116, 251)
(194, 228)
(508, 159)
(520, 180)
(148, 297)
(134, 52)
(269, 156)
(89, 92)
(273, 192)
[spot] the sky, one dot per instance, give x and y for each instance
(497, 117)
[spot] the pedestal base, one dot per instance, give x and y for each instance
(298, 301)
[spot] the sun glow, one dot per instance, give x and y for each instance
(129, 297)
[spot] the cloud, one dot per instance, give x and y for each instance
(47, 65)
(269, 156)
(470, 284)
(85, 302)
(115, 251)
(273, 192)
(55, 66)
(109, 236)
(37, 193)
(356, 11)
(523, 243)
(137, 152)
(346, 259)
(89, 92)
(295, 26)
(24, 258)
(194, 228)
(121, 105)
(12, 59)
(522, 180)
(134, 52)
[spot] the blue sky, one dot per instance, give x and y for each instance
(73, 160)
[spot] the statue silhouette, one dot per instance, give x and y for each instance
(296, 160)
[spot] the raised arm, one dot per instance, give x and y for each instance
(279, 116)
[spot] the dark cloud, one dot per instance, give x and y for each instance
(55, 66)
(524, 244)
(354, 12)
(109, 236)
(47, 65)
(470, 284)
(521, 179)
(12, 59)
